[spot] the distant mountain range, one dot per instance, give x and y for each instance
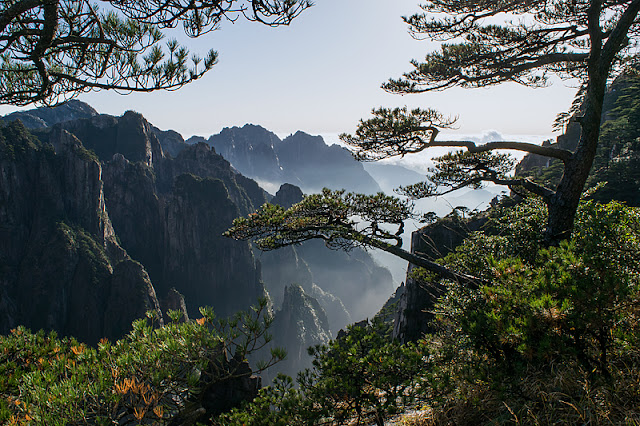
(299, 159)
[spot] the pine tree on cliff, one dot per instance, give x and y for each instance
(486, 43)
(52, 50)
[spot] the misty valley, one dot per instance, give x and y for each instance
(411, 272)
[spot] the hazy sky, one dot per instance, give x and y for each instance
(321, 75)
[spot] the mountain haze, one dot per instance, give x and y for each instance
(300, 159)
(105, 217)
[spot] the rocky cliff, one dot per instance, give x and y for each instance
(107, 192)
(47, 117)
(616, 166)
(61, 265)
(616, 170)
(91, 186)
(416, 298)
(170, 213)
(349, 286)
(300, 322)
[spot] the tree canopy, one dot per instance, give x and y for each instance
(343, 221)
(52, 50)
(484, 43)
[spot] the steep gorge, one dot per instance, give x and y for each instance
(122, 197)
(62, 267)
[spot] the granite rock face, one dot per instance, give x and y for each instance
(61, 266)
(47, 117)
(240, 387)
(316, 165)
(90, 186)
(130, 135)
(251, 150)
(349, 286)
(104, 206)
(287, 195)
(171, 141)
(170, 213)
(571, 135)
(174, 301)
(300, 323)
(616, 164)
(416, 298)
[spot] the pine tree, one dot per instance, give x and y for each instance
(52, 50)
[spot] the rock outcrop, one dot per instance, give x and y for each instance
(251, 150)
(616, 169)
(171, 141)
(47, 117)
(415, 299)
(298, 324)
(105, 206)
(91, 186)
(616, 165)
(349, 285)
(170, 213)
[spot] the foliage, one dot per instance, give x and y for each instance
(484, 43)
(385, 134)
(616, 163)
(328, 216)
(280, 404)
(153, 375)
(562, 393)
(16, 141)
(342, 220)
(585, 39)
(554, 38)
(361, 376)
(552, 338)
(459, 169)
(53, 50)
(578, 300)
(549, 337)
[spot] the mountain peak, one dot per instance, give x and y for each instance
(46, 117)
(287, 195)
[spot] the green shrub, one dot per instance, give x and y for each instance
(361, 376)
(551, 338)
(154, 375)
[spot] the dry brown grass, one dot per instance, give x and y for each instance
(562, 394)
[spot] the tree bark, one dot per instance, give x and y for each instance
(564, 203)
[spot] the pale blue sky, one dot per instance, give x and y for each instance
(321, 75)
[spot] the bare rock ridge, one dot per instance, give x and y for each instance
(286, 266)
(416, 300)
(68, 214)
(301, 322)
(349, 286)
(170, 213)
(47, 117)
